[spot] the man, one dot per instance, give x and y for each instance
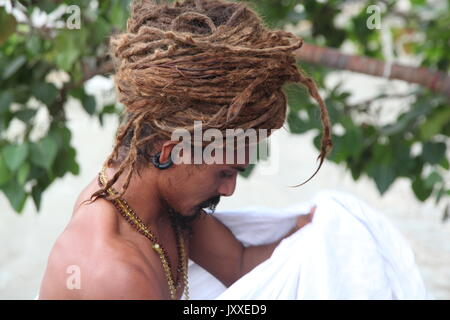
(116, 262)
(206, 60)
(214, 62)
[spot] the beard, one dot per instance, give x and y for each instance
(184, 222)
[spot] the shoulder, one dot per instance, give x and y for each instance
(105, 267)
(101, 269)
(117, 279)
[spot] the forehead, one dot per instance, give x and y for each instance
(240, 150)
(239, 157)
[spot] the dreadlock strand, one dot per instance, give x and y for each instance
(131, 158)
(326, 144)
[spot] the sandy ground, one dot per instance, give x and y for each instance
(28, 238)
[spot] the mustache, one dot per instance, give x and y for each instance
(185, 222)
(211, 203)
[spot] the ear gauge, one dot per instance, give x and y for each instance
(161, 166)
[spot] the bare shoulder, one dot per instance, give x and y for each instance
(118, 280)
(97, 269)
(90, 260)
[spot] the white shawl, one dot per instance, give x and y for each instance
(348, 251)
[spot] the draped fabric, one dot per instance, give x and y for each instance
(349, 251)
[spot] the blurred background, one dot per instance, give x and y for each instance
(383, 71)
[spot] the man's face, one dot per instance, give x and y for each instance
(188, 188)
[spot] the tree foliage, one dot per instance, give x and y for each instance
(414, 146)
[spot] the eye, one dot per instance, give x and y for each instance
(226, 174)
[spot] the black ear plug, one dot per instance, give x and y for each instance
(161, 166)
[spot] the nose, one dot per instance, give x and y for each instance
(227, 188)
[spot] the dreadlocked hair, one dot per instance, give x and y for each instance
(208, 60)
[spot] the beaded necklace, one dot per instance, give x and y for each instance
(130, 216)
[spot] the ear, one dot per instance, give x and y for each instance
(166, 150)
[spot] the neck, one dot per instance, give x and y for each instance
(142, 195)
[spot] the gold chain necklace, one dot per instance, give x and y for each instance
(132, 218)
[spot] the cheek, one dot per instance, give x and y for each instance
(202, 174)
(196, 183)
(202, 187)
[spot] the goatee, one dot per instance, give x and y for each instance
(185, 222)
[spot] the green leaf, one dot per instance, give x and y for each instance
(65, 59)
(405, 120)
(15, 194)
(340, 150)
(383, 174)
(433, 152)
(36, 194)
(26, 114)
(117, 14)
(77, 72)
(21, 93)
(44, 152)
(418, 2)
(15, 155)
(15, 65)
(5, 119)
(6, 98)
(108, 109)
(8, 25)
(432, 179)
(401, 155)
(23, 173)
(68, 47)
(352, 141)
(77, 93)
(45, 92)
(297, 96)
(40, 70)
(445, 164)
(434, 124)
(60, 134)
(66, 162)
(5, 173)
(103, 29)
(44, 5)
(382, 153)
(421, 191)
(34, 46)
(296, 124)
(89, 104)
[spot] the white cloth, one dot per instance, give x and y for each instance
(348, 251)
